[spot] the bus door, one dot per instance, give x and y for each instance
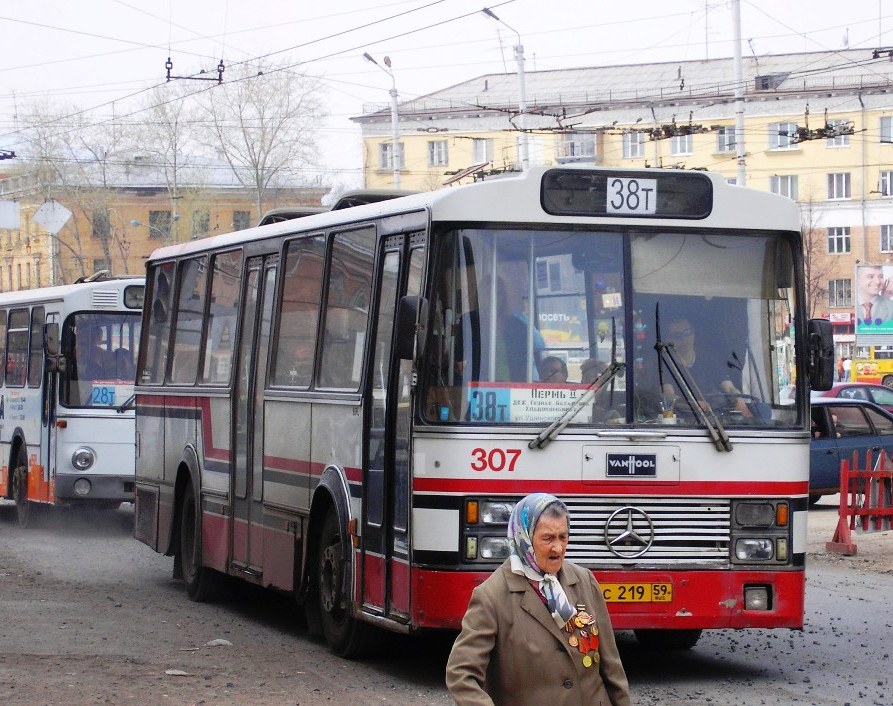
(248, 413)
(48, 409)
(386, 535)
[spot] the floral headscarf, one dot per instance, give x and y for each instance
(522, 524)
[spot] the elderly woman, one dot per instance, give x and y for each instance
(537, 630)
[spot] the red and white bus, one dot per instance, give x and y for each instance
(67, 365)
(346, 406)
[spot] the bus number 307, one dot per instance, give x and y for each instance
(494, 459)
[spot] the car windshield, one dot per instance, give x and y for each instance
(525, 320)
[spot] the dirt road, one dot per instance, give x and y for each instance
(90, 616)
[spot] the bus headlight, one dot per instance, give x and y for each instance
(82, 486)
(495, 512)
(83, 458)
(753, 549)
(494, 548)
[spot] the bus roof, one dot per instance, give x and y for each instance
(45, 294)
(518, 199)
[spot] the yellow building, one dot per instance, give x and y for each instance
(116, 228)
(818, 127)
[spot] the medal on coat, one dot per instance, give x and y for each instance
(584, 636)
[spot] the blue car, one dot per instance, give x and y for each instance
(841, 428)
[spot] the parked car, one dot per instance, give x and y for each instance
(879, 394)
(840, 429)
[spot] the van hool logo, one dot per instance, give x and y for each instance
(632, 464)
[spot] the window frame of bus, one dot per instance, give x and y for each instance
(26, 312)
(204, 376)
(35, 347)
(173, 370)
(3, 314)
(576, 192)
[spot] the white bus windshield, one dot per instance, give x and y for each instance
(100, 351)
(525, 320)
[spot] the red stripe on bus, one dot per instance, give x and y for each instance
(472, 486)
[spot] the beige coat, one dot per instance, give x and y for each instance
(511, 651)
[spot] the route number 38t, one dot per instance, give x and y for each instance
(494, 459)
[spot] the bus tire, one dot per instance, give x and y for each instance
(202, 584)
(671, 640)
(20, 491)
(887, 381)
(345, 635)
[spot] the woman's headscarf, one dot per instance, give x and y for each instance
(522, 524)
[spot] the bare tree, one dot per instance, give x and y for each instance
(817, 264)
(264, 125)
(76, 160)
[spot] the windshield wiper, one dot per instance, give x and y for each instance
(693, 396)
(594, 388)
(128, 404)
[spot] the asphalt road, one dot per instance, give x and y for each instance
(90, 616)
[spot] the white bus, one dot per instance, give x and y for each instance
(346, 406)
(68, 356)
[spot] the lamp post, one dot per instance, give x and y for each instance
(395, 129)
(523, 144)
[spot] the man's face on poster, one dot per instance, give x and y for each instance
(871, 280)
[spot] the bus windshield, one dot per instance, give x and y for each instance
(525, 320)
(100, 351)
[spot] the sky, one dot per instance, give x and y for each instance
(102, 55)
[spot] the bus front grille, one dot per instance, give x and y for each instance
(652, 532)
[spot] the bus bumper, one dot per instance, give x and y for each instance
(104, 488)
(700, 599)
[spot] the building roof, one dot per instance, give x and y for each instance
(671, 84)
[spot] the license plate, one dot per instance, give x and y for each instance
(637, 592)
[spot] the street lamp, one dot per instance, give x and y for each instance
(523, 144)
(161, 232)
(395, 131)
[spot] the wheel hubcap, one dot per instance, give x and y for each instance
(329, 588)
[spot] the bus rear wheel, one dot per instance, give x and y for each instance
(202, 584)
(20, 492)
(668, 639)
(345, 635)
(887, 381)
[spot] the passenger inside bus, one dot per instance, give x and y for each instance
(93, 360)
(477, 329)
(553, 369)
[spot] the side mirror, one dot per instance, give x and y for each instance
(51, 339)
(820, 342)
(412, 326)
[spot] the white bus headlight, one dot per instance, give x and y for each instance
(83, 458)
(494, 548)
(753, 549)
(495, 513)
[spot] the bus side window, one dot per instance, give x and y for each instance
(347, 309)
(190, 314)
(155, 339)
(223, 310)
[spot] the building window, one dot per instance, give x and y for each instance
(102, 226)
(840, 140)
(576, 147)
(839, 185)
(241, 220)
(384, 155)
(786, 185)
(839, 240)
(101, 263)
(681, 144)
(438, 155)
(725, 139)
(886, 129)
(159, 224)
(781, 136)
(481, 150)
(633, 145)
(201, 223)
(840, 292)
(887, 238)
(885, 186)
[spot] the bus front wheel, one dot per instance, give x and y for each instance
(202, 584)
(345, 635)
(20, 491)
(668, 639)
(887, 381)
